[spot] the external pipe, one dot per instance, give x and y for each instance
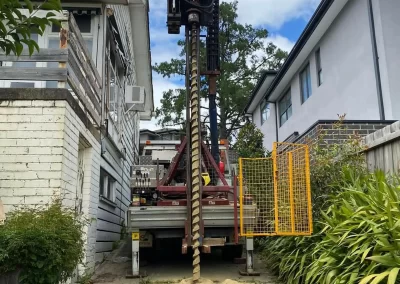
(376, 60)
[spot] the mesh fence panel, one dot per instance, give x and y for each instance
(275, 197)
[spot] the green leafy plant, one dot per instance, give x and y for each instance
(249, 143)
(16, 27)
(46, 244)
(361, 234)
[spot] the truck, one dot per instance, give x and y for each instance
(159, 211)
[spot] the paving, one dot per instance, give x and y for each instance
(169, 266)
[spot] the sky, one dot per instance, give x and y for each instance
(284, 20)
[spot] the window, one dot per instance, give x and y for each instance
(319, 66)
(85, 24)
(285, 108)
(305, 83)
(107, 185)
(265, 111)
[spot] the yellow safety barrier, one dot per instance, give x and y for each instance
(275, 194)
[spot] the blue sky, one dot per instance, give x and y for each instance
(284, 19)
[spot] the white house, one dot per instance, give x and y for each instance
(70, 114)
(345, 62)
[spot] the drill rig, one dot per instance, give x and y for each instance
(194, 14)
(194, 198)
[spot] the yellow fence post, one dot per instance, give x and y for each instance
(308, 185)
(275, 174)
(241, 195)
(290, 157)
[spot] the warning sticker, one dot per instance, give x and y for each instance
(135, 236)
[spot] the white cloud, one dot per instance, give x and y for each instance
(274, 12)
(281, 42)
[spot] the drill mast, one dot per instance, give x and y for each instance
(193, 14)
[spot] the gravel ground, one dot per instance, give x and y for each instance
(172, 267)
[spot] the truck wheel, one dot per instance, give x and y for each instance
(230, 252)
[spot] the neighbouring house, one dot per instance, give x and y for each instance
(70, 114)
(345, 62)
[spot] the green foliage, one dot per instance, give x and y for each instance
(249, 143)
(16, 28)
(243, 54)
(47, 244)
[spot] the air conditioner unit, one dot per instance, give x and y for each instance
(135, 98)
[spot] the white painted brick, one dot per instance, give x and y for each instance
(26, 111)
(26, 158)
(26, 175)
(47, 118)
(11, 184)
(6, 192)
(61, 103)
(56, 166)
(52, 143)
(37, 183)
(3, 117)
(12, 200)
(56, 126)
(4, 103)
(57, 150)
(40, 150)
(33, 200)
(30, 134)
(8, 126)
(17, 118)
(20, 103)
(29, 126)
(9, 110)
(49, 175)
(14, 150)
(58, 134)
(55, 183)
(39, 166)
(24, 191)
(44, 103)
(6, 175)
(54, 110)
(8, 142)
(11, 167)
(48, 191)
(50, 158)
(28, 142)
(3, 134)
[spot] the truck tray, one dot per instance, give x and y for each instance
(163, 217)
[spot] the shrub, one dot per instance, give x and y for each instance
(46, 244)
(360, 234)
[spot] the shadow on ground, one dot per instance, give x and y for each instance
(170, 266)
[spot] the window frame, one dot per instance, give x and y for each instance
(287, 107)
(307, 72)
(263, 107)
(107, 187)
(318, 67)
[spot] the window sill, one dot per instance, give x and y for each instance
(108, 201)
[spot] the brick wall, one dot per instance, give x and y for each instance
(39, 143)
(332, 134)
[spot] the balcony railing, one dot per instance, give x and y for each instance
(75, 67)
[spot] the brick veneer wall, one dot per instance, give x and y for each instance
(337, 135)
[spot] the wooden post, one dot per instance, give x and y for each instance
(63, 45)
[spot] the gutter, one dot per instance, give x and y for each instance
(376, 61)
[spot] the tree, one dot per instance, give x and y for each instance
(250, 142)
(244, 52)
(16, 27)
